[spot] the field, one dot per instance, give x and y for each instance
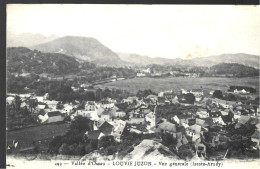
(177, 83)
(44, 133)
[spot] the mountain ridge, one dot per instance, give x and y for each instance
(208, 61)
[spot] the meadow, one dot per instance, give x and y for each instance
(177, 83)
(26, 137)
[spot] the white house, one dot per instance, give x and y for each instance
(55, 116)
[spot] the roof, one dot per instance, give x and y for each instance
(256, 135)
(40, 106)
(195, 127)
(94, 135)
(151, 96)
(243, 119)
(106, 128)
(224, 113)
(200, 122)
(105, 112)
(11, 98)
(196, 90)
(91, 103)
(254, 120)
(167, 126)
(54, 113)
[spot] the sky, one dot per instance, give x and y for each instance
(169, 31)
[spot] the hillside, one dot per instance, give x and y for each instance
(241, 58)
(27, 39)
(84, 48)
(21, 59)
(238, 70)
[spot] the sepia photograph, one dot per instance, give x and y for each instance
(112, 86)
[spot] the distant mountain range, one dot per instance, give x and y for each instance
(23, 60)
(27, 39)
(90, 49)
(241, 58)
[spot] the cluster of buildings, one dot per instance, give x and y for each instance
(157, 73)
(140, 116)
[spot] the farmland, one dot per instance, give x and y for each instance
(177, 83)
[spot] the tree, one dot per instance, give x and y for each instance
(82, 124)
(190, 98)
(17, 102)
(231, 97)
(218, 94)
(32, 104)
(106, 141)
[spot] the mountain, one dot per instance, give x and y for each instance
(27, 39)
(21, 59)
(84, 48)
(140, 60)
(241, 58)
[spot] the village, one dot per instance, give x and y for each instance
(207, 122)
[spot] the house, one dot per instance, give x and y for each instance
(40, 107)
(243, 91)
(150, 120)
(118, 114)
(90, 106)
(152, 97)
(243, 120)
(130, 100)
(55, 116)
(200, 150)
(176, 119)
(106, 104)
(214, 113)
(67, 108)
(202, 113)
(105, 116)
(39, 98)
(218, 120)
(197, 92)
(43, 117)
(140, 74)
(184, 123)
(51, 104)
(119, 127)
(184, 91)
(202, 123)
(256, 138)
(10, 99)
(194, 131)
(136, 118)
(181, 140)
(175, 100)
(224, 103)
(169, 95)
